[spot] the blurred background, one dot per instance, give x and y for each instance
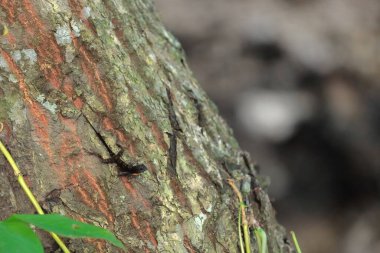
(299, 82)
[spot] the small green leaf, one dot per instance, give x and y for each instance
(261, 238)
(65, 226)
(16, 236)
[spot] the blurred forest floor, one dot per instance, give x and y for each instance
(298, 81)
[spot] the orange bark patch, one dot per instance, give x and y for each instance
(66, 150)
(155, 130)
(91, 71)
(119, 32)
(121, 136)
(188, 245)
(70, 142)
(129, 187)
(39, 37)
(159, 137)
(151, 168)
(150, 234)
(123, 139)
(135, 194)
(102, 200)
(84, 195)
(136, 225)
(8, 131)
(89, 26)
(132, 150)
(11, 39)
(39, 117)
(78, 103)
(107, 124)
(177, 190)
(141, 113)
(100, 245)
(68, 89)
(135, 221)
(10, 8)
(76, 7)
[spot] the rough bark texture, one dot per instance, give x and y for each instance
(80, 78)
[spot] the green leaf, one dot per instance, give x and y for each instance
(16, 236)
(65, 226)
(261, 238)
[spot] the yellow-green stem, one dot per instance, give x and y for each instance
(247, 240)
(239, 233)
(298, 248)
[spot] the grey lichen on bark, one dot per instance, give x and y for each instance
(113, 63)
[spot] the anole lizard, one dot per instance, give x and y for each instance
(125, 169)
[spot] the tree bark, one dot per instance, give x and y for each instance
(83, 81)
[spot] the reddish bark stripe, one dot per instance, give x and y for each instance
(151, 168)
(132, 150)
(39, 38)
(136, 225)
(150, 234)
(157, 133)
(141, 113)
(10, 9)
(119, 33)
(68, 89)
(121, 136)
(89, 25)
(129, 187)
(35, 26)
(123, 139)
(66, 150)
(100, 245)
(70, 140)
(76, 7)
(155, 130)
(85, 196)
(11, 39)
(135, 221)
(188, 246)
(39, 119)
(78, 103)
(135, 194)
(103, 205)
(177, 190)
(91, 71)
(107, 124)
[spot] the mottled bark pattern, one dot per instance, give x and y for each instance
(75, 71)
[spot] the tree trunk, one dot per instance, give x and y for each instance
(83, 81)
